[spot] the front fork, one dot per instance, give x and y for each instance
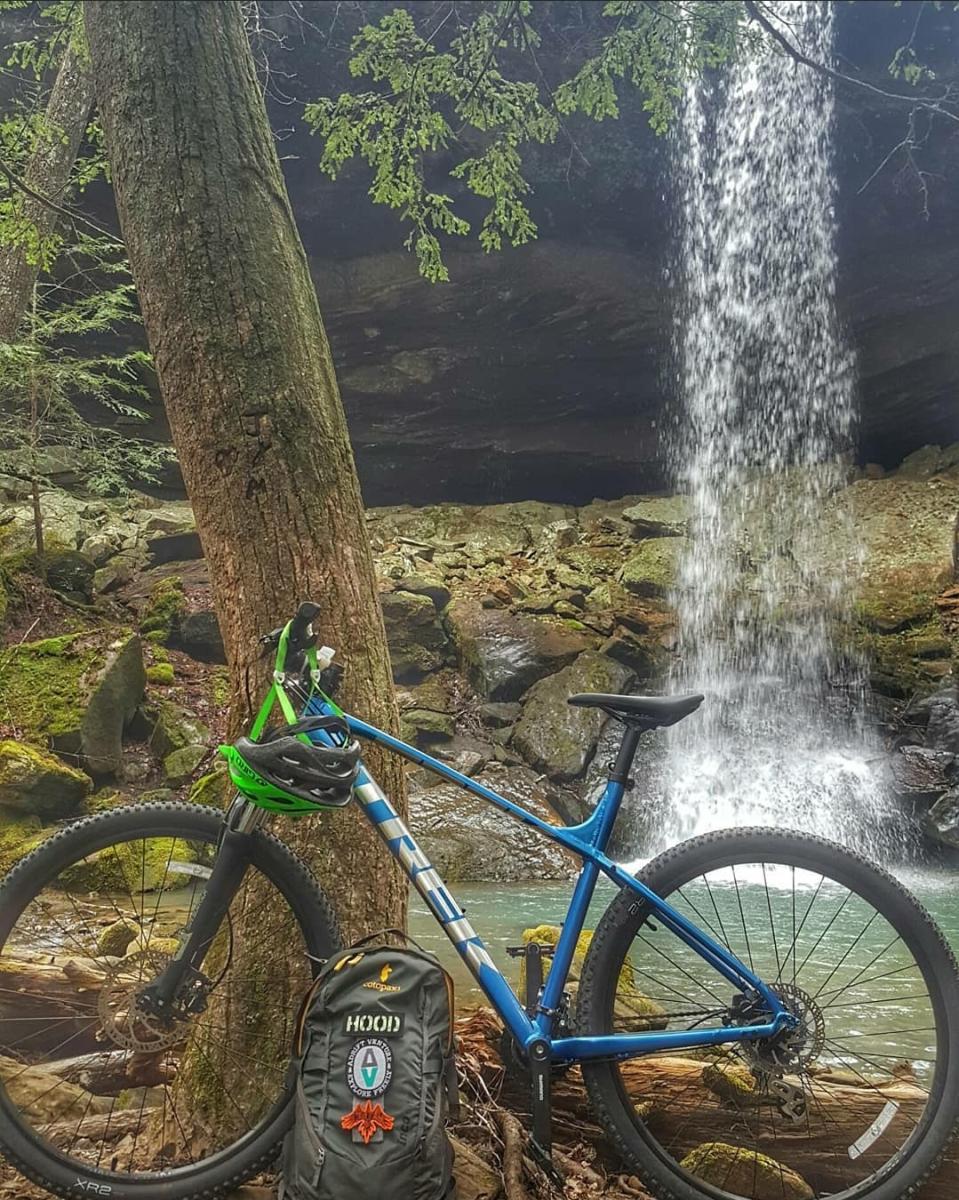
(241, 821)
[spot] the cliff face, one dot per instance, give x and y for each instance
(545, 371)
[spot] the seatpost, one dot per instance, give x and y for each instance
(627, 752)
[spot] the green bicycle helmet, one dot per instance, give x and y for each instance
(282, 773)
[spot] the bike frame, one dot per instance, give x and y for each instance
(588, 841)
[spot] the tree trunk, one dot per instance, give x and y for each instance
(47, 174)
(247, 379)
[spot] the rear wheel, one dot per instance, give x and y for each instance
(861, 1100)
(97, 1097)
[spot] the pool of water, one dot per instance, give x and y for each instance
(500, 913)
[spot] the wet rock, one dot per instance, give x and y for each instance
(918, 774)
(941, 822)
(467, 839)
(71, 573)
(554, 736)
(198, 634)
(418, 643)
(928, 461)
(504, 654)
(941, 711)
(39, 784)
(114, 939)
(500, 715)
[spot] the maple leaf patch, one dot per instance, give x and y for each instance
(366, 1119)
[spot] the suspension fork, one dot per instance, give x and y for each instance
(241, 821)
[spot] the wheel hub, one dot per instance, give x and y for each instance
(793, 1050)
(122, 1020)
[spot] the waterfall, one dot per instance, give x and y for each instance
(768, 414)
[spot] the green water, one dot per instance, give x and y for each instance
(500, 913)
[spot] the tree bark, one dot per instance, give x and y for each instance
(247, 378)
(47, 174)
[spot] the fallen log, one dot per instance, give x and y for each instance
(684, 1113)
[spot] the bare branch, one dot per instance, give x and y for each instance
(930, 104)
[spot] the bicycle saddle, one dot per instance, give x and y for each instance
(649, 711)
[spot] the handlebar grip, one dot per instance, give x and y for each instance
(301, 633)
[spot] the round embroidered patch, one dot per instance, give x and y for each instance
(370, 1068)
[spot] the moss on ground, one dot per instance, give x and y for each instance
(40, 684)
(160, 673)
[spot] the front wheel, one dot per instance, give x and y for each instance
(860, 1100)
(98, 1097)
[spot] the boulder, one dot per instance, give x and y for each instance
(736, 1169)
(76, 693)
(942, 712)
(504, 654)
(198, 634)
(180, 765)
(554, 736)
(215, 788)
(175, 727)
(418, 643)
(113, 693)
(651, 568)
(39, 784)
(659, 516)
(424, 725)
(71, 573)
(468, 839)
(941, 822)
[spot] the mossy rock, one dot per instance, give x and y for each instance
(114, 939)
(34, 782)
(909, 663)
(630, 1005)
(175, 727)
(425, 725)
(729, 1081)
(651, 568)
(418, 643)
(552, 735)
(130, 867)
(166, 605)
(179, 765)
(18, 838)
(739, 1171)
(77, 692)
(106, 800)
(659, 516)
(160, 673)
(215, 789)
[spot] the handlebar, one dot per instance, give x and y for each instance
(301, 627)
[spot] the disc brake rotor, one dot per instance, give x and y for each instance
(122, 1022)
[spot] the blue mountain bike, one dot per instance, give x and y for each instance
(759, 1014)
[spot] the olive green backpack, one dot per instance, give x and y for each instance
(376, 1079)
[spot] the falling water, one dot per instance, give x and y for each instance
(768, 384)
